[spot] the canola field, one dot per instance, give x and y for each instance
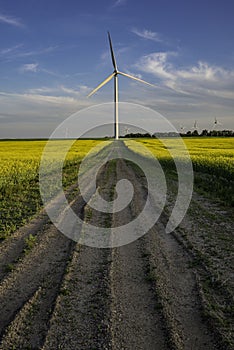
(211, 155)
(212, 158)
(19, 178)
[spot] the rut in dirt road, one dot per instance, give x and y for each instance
(38, 275)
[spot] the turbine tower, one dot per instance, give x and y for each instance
(114, 75)
(195, 126)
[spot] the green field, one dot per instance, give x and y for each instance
(213, 161)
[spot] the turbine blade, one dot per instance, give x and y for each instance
(101, 85)
(112, 53)
(134, 78)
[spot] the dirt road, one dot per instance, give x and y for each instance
(163, 291)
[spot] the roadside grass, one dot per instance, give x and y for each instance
(30, 242)
(218, 308)
(9, 267)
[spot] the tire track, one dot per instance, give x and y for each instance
(80, 317)
(136, 321)
(178, 290)
(43, 268)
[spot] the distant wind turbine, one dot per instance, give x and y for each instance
(127, 130)
(216, 123)
(116, 89)
(182, 128)
(195, 126)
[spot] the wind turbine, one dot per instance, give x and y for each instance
(195, 126)
(127, 130)
(114, 75)
(216, 123)
(182, 128)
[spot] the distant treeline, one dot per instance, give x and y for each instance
(222, 133)
(195, 133)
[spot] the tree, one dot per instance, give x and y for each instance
(195, 133)
(204, 132)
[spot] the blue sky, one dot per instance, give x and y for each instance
(53, 53)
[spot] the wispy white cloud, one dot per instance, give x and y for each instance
(9, 50)
(203, 71)
(82, 90)
(37, 52)
(119, 3)
(157, 64)
(37, 98)
(35, 115)
(51, 72)
(42, 90)
(11, 20)
(36, 68)
(79, 91)
(15, 52)
(16, 107)
(201, 79)
(29, 67)
(52, 95)
(147, 34)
